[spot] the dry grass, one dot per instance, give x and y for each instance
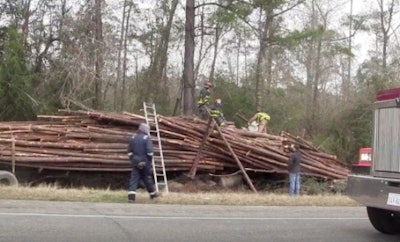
(54, 193)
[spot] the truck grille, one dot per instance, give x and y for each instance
(386, 149)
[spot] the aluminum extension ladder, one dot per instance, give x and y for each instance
(159, 174)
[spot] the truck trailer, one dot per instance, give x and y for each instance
(379, 190)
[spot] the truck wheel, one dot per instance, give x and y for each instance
(7, 178)
(385, 221)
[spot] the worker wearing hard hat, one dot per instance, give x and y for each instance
(216, 112)
(204, 100)
(262, 120)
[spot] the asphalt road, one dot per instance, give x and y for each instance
(74, 221)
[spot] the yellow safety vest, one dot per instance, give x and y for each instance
(262, 116)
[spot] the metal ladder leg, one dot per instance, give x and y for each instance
(159, 173)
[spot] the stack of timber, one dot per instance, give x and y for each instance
(96, 141)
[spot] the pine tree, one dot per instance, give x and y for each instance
(15, 79)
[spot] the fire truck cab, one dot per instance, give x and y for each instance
(379, 191)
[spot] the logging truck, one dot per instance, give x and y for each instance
(379, 191)
(8, 178)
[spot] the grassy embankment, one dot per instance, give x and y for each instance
(54, 193)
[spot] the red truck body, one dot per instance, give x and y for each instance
(364, 157)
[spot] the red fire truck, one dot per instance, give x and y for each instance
(380, 190)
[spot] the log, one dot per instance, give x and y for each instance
(96, 141)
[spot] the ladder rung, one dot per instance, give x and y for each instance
(158, 160)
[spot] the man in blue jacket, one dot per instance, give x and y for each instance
(140, 152)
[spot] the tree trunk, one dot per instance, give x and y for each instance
(120, 48)
(385, 32)
(99, 65)
(310, 69)
(347, 81)
(270, 53)
(27, 14)
(218, 30)
(122, 107)
(261, 62)
(188, 74)
(164, 46)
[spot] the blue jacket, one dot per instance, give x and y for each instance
(140, 148)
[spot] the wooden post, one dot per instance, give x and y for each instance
(193, 169)
(13, 155)
(247, 178)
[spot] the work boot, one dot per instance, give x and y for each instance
(154, 195)
(131, 198)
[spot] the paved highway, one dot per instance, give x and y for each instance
(44, 221)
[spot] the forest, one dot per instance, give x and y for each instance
(314, 66)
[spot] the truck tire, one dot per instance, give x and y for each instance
(7, 178)
(385, 221)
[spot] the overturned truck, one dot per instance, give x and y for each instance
(82, 141)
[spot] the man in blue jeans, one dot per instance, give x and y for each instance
(294, 170)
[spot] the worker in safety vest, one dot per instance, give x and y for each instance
(204, 100)
(216, 112)
(262, 120)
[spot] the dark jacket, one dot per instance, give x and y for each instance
(216, 111)
(204, 98)
(294, 162)
(140, 148)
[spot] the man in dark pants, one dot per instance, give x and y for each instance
(140, 152)
(294, 170)
(204, 100)
(216, 112)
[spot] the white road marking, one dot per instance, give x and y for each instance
(171, 217)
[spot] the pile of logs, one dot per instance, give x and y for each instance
(95, 141)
